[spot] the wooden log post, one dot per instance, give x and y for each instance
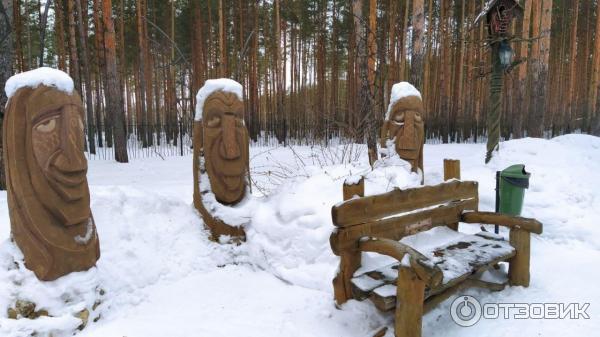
(353, 187)
(410, 294)
(452, 171)
(518, 270)
(349, 258)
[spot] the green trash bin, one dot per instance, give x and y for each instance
(510, 189)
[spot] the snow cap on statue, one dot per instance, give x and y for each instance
(400, 91)
(41, 76)
(212, 86)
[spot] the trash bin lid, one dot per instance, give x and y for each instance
(516, 171)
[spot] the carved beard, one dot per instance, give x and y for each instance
(48, 195)
(225, 144)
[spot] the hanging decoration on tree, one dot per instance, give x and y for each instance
(498, 14)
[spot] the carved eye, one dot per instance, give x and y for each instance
(46, 126)
(214, 122)
(399, 117)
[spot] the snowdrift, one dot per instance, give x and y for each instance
(159, 275)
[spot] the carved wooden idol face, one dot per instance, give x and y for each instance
(55, 135)
(406, 125)
(225, 146)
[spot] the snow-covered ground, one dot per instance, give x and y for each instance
(161, 276)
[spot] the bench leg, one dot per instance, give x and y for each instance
(518, 270)
(410, 293)
(342, 287)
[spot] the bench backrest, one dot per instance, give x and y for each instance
(399, 213)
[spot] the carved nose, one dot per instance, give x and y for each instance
(229, 146)
(71, 158)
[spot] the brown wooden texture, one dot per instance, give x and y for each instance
(349, 259)
(216, 226)
(350, 190)
(48, 194)
(490, 218)
(409, 311)
(452, 171)
(342, 286)
(518, 270)
(401, 226)
(406, 127)
(482, 255)
(427, 272)
(221, 142)
(368, 224)
(372, 208)
(114, 96)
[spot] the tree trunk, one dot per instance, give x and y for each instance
(6, 70)
(418, 44)
(571, 110)
(114, 97)
(89, 104)
(74, 59)
(522, 74)
(595, 82)
(222, 42)
(43, 21)
(142, 127)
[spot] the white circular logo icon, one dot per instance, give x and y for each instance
(465, 311)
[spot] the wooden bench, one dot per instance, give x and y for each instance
(419, 280)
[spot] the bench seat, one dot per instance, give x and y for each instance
(461, 258)
(417, 230)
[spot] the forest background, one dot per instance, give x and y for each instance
(312, 70)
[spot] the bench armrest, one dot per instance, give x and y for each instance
(491, 218)
(423, 267)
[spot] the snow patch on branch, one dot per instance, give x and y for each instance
(40, 76)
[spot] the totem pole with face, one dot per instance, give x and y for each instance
(221, 156)
(404, 128)
(48, 194)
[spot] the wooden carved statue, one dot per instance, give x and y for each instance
(403, 128)
(48, 194)
(221, 159)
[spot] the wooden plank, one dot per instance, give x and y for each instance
(427, 271)
(518, 267)
(350, 189)
(479, 255)
(363, 285)
(350, 258)
(491, 218)
(398, 227)
(372, 208)
(452, 171)
(342, 286)
(409, 312)
(384, 297)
